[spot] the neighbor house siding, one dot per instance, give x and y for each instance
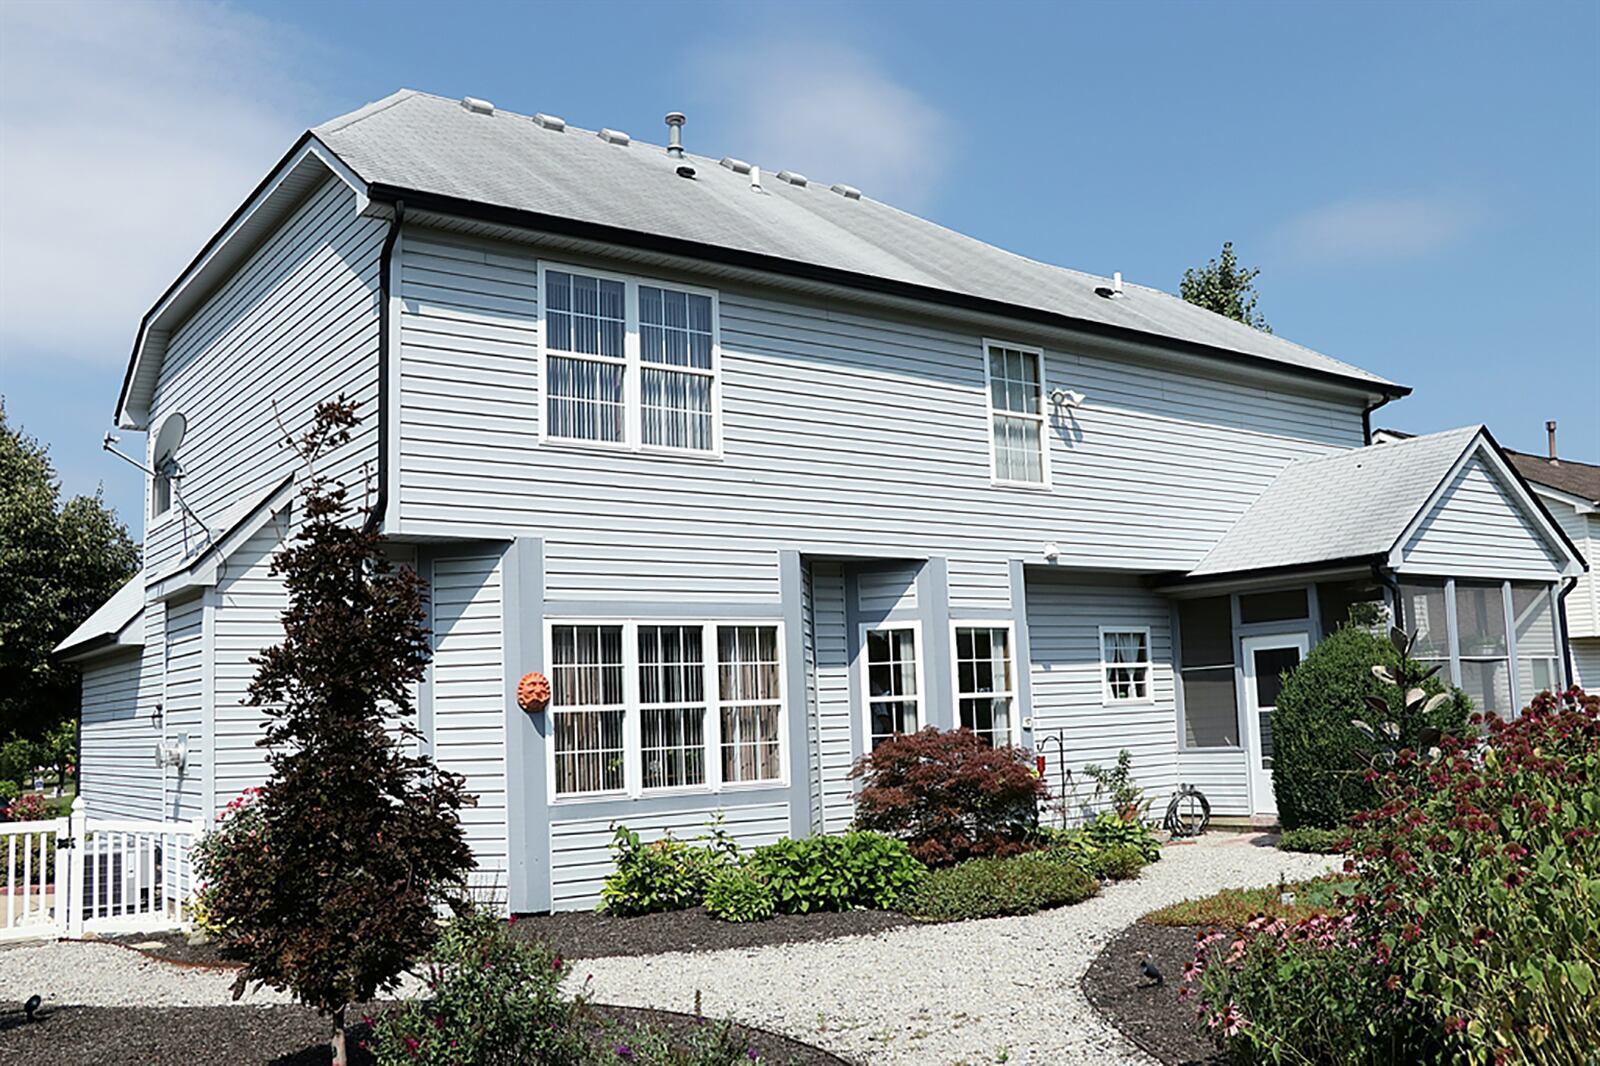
(846, 432)
(1477, 529)
(468, 701)
(1065, 613)
(295, 325)
(580, 856)
(1583, 602)
(118, 775)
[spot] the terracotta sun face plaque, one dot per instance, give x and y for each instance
(533, 692)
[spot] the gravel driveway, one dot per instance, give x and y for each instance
(1001, 990)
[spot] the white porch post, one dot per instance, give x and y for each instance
(77, 833)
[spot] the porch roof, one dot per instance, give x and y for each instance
(113, 625)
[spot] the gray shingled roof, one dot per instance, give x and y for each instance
(111, 621)
(429, 144)
(1342, 506)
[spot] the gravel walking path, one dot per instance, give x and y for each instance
(1001, 990)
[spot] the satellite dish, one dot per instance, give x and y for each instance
(168, 440)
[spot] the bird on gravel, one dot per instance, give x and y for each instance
(1148, 968)
(30, 1007)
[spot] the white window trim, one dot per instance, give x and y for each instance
(170, 512)
(1044, 485)
(632, 753)
(1106, 698)
(633, 365)
(915, 626)
(1014, 725)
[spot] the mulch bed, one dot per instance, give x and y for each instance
(591, 935)
(250, 1036)
(1150, 1015)
(174, 947)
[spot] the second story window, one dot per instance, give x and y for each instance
(629, 363)
(165, 471)
(1016, 414)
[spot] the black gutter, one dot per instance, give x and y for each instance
(1382, 575)
(1561, 615)
(381, 505)
(735, 257)
(1366, 418)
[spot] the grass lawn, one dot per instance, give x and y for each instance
(1233, 907)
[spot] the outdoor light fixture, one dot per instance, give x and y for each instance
(1066, 397)
(1052, 552)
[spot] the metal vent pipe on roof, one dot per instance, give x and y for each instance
(675, 121)
(1550, 431)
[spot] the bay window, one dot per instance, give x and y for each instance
(638, 708)
(985, 687)
(628, 363)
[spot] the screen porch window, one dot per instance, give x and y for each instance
(672, 706)
(751, 703)
(892, 690)
(588, 709)
(1423, 604)
(676, 375)
(1125, 665)
(1016, 414)
(985, 687)
(1538, 661)
(1484, 650)
(586, 328)
(1206, 650)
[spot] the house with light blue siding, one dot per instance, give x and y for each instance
(759, 471)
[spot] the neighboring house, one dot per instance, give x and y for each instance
(1571, 492)
(759, 471)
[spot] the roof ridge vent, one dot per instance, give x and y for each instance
(550, 122)
(792, 178)
(611, 136)
(849, 192)
(477, 106)
(738, 166)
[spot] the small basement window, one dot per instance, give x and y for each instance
(1125, 665)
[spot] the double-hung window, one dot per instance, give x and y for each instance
(629, 363)
(985, 685)
(892, 682)
(1125, 665)
(1016, 414)
(639, 708)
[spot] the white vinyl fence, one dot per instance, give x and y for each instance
(69, 876)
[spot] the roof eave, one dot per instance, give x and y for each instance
(733, 257)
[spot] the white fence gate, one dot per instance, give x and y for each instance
(82, 874)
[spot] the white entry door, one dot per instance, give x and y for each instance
(1265, 660)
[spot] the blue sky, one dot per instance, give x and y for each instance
(1420, 183)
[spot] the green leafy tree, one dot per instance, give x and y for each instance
(58, 562)
(359, 843)
(1225, 287)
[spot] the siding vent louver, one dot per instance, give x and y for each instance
(792, 178)
(550, 122)
(849, 192)
(616, 137)
(738, 166)
(477, 106)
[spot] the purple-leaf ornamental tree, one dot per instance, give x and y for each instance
(355, 843)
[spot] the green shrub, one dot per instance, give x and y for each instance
(735, 896)
(836, 873)
(1319, 760)
(1119, 862)
(1312, 840)
(492, 999)
(702, 1043)
(664, 875)
(1232, 908)
(992, 888)
(1110, 830)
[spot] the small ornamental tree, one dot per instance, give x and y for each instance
(356, 843)
(949, 795)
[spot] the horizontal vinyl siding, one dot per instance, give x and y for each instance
(469, 695)
(1477, 529)
(1224, 777)
(844, 434)
(885, 589)
(249, 620)
(1583, 602)
(1586, 663)
(1064, 616)
(833, 696)
(184, 705)
(296, 325)
(118, 775)
(580, 858)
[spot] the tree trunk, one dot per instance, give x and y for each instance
(340, 1056)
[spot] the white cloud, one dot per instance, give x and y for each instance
(128, 133)
(1380, 228)
(829, 112)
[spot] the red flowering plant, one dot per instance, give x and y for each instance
(236, 845)
(29, 807)
(949, 795)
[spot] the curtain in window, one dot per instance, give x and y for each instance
(675, 404)
(983, 681)
(586, 705)
(1127, 665)
(587, 317)
(891, 683)
(748, 686)
(1018, 417)
(672, 702)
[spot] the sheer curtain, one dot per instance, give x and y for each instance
(675, 404)
(748, 687)
(587, 317)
